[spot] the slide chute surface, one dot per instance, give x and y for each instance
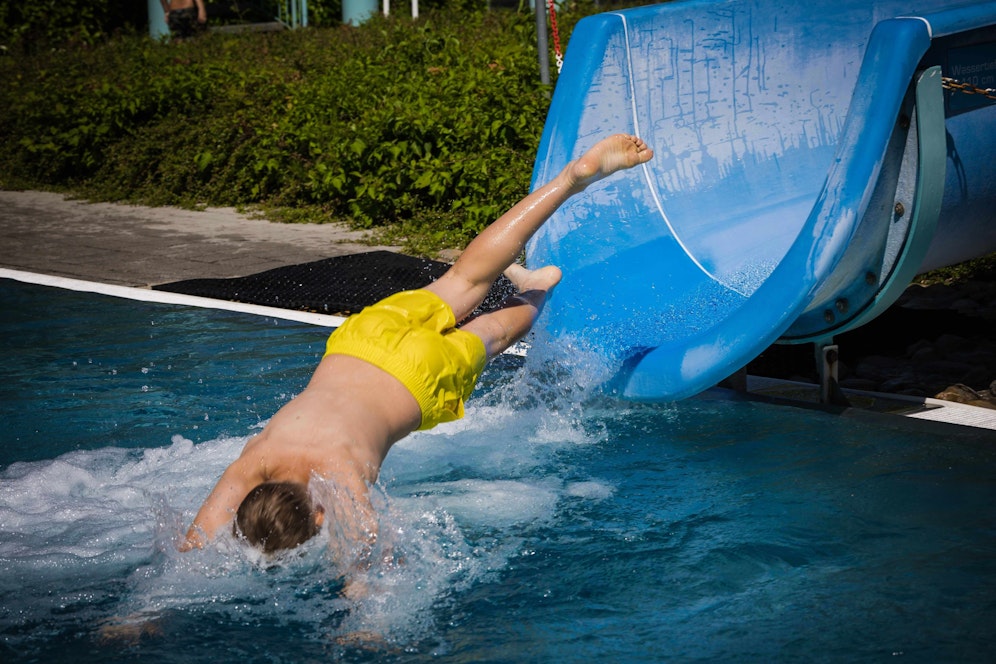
(810, 159)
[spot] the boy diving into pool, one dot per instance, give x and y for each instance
(400, 365)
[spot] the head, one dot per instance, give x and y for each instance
(278, 515)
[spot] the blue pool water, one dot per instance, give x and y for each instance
(550, 524)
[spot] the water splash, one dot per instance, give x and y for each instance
(93, 533)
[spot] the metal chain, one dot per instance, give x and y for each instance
(556, 34)
(967, 88)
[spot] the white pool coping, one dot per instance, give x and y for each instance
(952, 412)
(165, 297)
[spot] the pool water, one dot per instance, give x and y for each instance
(549, 524)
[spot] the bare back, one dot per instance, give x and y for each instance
(344, 422)
(340, 427)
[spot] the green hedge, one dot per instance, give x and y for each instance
(27, 26)
(429, 125)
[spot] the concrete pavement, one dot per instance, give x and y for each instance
(141, 247)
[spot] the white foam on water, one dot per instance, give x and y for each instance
(90, 536)
(499, 504)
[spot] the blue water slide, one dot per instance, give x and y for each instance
(810, 159)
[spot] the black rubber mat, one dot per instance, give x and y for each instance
(342, 285)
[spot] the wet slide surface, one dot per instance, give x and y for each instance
(810, 159)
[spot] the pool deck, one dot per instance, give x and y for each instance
(125, 250)
(140, 247)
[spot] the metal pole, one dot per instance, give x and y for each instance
(541, 42)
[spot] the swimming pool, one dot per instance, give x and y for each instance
(549, 523)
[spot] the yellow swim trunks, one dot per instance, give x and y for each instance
(412, 335)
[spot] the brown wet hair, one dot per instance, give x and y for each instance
(275, 516)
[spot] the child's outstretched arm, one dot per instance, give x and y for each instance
(467, 282)
(219, 508)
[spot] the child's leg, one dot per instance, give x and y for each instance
(501, 328)
(465, 285)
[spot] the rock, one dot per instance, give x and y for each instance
(965, 306)
(905, 383)
(958, 393)
(860, 384)
(954, 371)
(976, 355)
(988, 396)
(877, 367)
(925, 353)
(977, 375)
(950, 343)
(917, 346)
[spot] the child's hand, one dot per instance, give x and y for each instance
(129, 631)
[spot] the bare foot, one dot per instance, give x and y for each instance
(609, 155)
(540, 279)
